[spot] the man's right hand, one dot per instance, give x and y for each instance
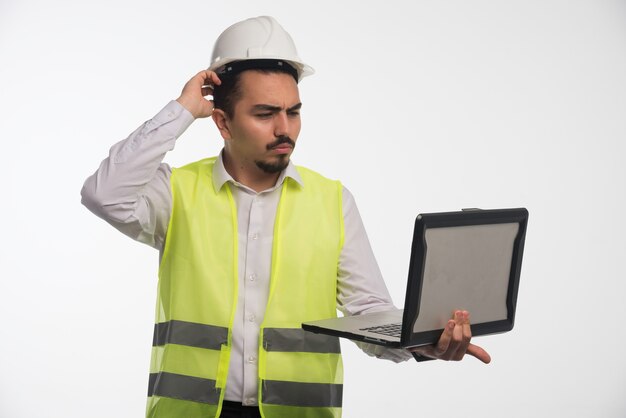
(192, 96)
(454, 342)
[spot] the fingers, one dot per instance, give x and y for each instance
(193, 95)
(212, 77)
(454, 341)
(207, 79)
(463, 334)
(479, 353)
(462, 337)
(203, 81)
(450, 344)
(208, 75)
(443, 344)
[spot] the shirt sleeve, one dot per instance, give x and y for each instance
(131, 190)
(360, 285)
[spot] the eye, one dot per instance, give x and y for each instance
(264, 115)
(294, 113)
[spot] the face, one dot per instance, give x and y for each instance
(263, 131)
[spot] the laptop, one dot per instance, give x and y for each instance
(467, 260)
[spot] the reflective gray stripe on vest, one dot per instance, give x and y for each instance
(189, 333)
(299, 340)
(277, 392)
(188, 388)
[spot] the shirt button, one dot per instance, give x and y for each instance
(251, 317)
(251, 359)
(250, 401)
(252, 277)
(254, 236)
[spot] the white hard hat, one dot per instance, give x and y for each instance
(257, 38)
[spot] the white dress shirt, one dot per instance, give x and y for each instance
(131, 191)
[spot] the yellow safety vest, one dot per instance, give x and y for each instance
(300, 373)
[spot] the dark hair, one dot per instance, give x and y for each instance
(227, 94)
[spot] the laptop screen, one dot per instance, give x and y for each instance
(464, 261)
(466, 267)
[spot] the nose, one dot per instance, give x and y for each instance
(281, 124)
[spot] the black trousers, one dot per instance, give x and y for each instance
(237, 410)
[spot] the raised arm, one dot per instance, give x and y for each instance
(130, 189)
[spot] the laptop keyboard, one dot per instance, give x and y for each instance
(392, 330)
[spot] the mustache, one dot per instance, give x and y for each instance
(283, 139)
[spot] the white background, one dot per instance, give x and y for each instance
(416, 106)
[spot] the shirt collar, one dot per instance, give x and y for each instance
(221, 176)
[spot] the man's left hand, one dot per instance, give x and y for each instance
(454, 342)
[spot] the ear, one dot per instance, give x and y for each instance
(221, 121)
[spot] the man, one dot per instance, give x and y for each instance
(251, 246)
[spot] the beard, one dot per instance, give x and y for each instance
(275, 167)
(283, 160)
